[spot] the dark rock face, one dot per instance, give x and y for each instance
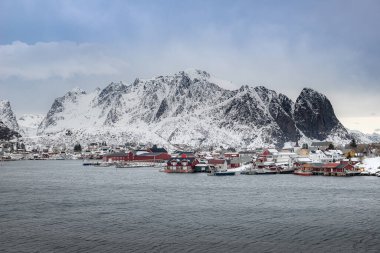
(245, 110)
(314, 115)
(7, 134)
(280, 109)
(55, 108)
(163, 107)
(111, 93)
(285, 122)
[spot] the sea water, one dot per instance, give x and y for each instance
(62, 206)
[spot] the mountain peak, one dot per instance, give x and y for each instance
(77, 90)
(4, 103)
(195, 74)
(310, 92)
(113, 87)
(244, 88)
(315, 115)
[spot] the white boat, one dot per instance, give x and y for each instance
(103, 165)
(223, 171)
(265, 168)
(365, 173)
(285, 169)
(137, 164)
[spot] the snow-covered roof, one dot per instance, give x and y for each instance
(303, 159)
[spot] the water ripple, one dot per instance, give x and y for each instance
(60, 206)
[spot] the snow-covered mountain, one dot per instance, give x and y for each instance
(364, 138)
(29, 123)
(7, 116)
(190, 108)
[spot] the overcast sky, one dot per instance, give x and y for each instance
(49, 47)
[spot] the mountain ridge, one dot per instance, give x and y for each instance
(191, 107)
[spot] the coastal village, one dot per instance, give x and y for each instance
(316, 158)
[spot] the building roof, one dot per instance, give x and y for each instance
(179, 159)
(247, 152)
(158, 150)
(330, 165)
(151, 154)
(343, 165)
(216, 161)
(272, 150)
(116, 154)
(303, 159)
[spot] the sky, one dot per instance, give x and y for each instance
(48, 47)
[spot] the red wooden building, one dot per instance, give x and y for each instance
(343, 168)
(137, 156)
(181, 165)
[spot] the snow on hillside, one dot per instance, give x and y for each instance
(29, 124)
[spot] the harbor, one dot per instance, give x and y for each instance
(313, 160)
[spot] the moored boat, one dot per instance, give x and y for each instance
(302, 172)
(285, 169)
(135, 165)
(103, 164)
(224, 173)
(85, 163)
(265, 168)
(221, 171)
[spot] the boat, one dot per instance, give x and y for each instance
(103, 165)
(223, 171)
(248, 172)
(265, 168)
(285, 169)
(134, 165)
(265, 171)
(85, 163)
(303, 172)
(365, 173)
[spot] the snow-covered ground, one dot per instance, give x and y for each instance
(371, 164)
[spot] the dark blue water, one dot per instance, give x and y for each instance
(61, 206)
